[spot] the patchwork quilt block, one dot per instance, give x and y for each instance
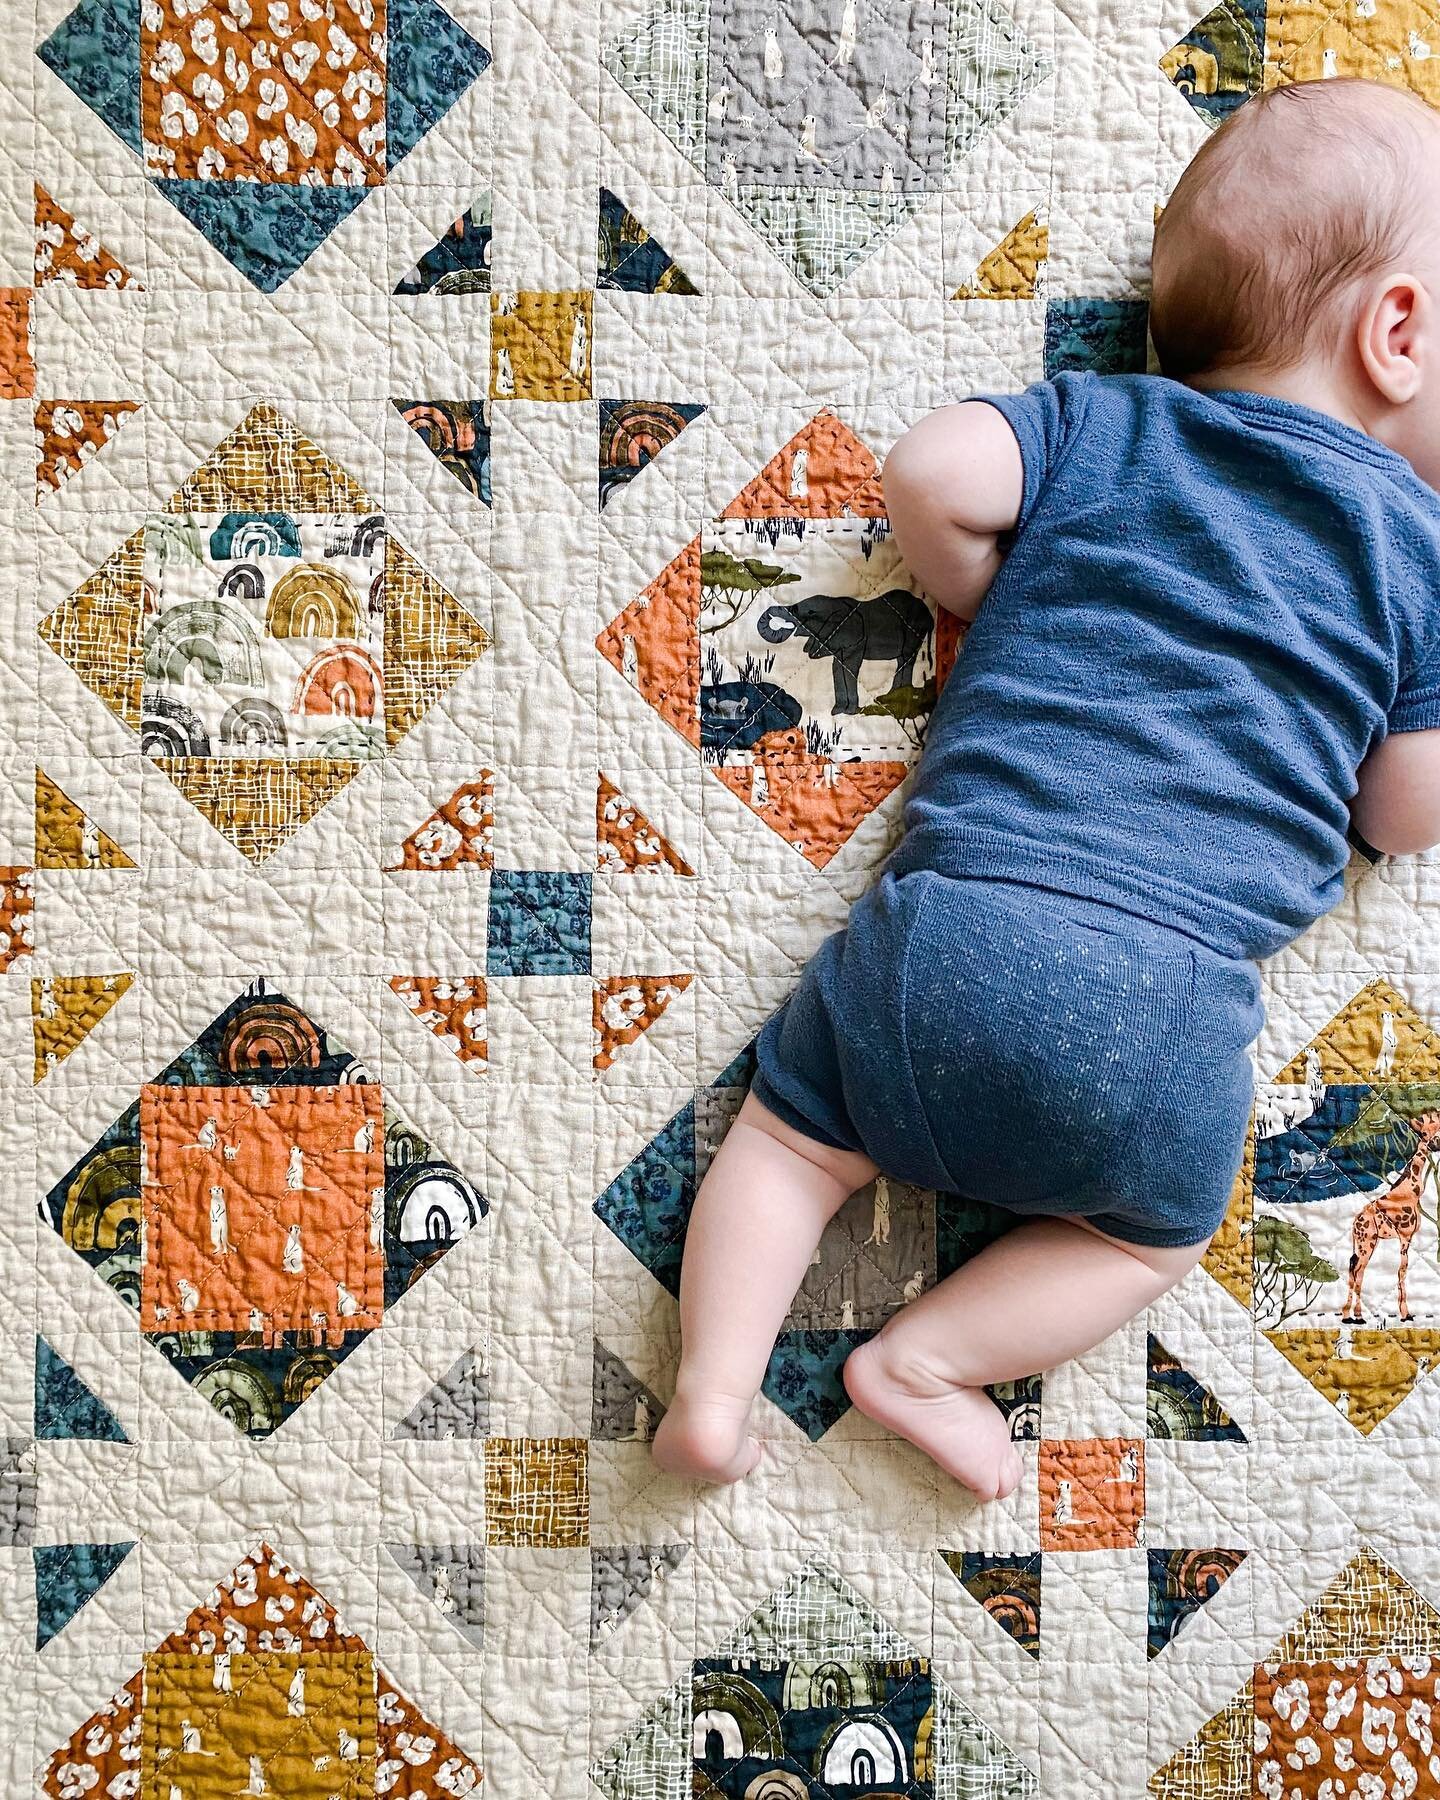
(457, 666)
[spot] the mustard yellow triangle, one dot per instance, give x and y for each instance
(97, 630)
(1217, 1761)
(1355, 1045)
(258, 804)
(66, 837)
(430, 640)
(65, 1009)
(1367, 1610)
(266, 465)
(1012, 269)
(1376, 1372)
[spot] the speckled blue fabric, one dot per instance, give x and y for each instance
(1043, 1053)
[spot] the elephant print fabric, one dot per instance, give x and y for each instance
(805, 630)
(455, 668)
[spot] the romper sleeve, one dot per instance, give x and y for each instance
(1417, 702)
(1043, 418)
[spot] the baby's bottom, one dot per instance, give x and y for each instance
(1050, 1289)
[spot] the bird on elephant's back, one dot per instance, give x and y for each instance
(893, 627)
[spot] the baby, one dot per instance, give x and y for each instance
(1206, 637)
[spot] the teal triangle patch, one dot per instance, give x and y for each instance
(804, 1380)
(265, 229)
(431, 60)
(66, 1576)
(66, 1406)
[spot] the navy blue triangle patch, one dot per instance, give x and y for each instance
(1181, 1583)
(631, 259)
(66, 1406)
(632, 435)
(1179, 1406)
(430, 61)
(457, 435)
(266, 229)
(66, 1576)
(1007, 1587)
(804, 1379)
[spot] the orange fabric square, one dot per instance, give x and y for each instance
(17, 371)
(275, 98)
(264, 1209)
(1092, 1493)
(1342, 1726)
(299, 1725)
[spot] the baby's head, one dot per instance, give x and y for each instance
(1301, 252)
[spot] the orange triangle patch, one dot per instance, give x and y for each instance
(452, 1007)
(813, 803)
(626, 841)
(65, 1009)
(655, 643)
(66, 251)
(457, 834)
(824, 472)
(259, 1592)
(626, 1006)
(66, 837)
(69, 433)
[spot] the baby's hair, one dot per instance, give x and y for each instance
(1304, 190)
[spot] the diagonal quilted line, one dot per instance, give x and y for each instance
(556, 373)
(1333, 17)
(215, 1714)
(544, 930)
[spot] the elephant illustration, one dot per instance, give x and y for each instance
(890, 628)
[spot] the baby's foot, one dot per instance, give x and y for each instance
(960, 1428)
(704, 1437)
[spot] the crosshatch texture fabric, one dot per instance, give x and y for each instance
(456, 668)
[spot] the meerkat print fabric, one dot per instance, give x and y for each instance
(455, 665)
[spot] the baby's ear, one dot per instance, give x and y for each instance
(1395, 328)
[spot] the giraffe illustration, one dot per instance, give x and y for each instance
(1393, 1214)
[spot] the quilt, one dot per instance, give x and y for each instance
(413, 804)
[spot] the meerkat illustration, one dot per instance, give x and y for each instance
(295, 1169)
(346, 1305)
(579, 347)
(89, 842)
(504, 374)
(641, 1433)
(845, 43)
(377, 1215)
(295, 1697)
(189, 1739)
(189, 1295)
(219, 1221)
(220, 1672)
(365, 1137)
(208, 1136)
(800, 474)
(880, 1214)
(774, 60)
(1385, 1061)
(915, 1286)
(292, 1259)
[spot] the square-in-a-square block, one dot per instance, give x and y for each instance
(1092, 1493)
(539, 922)
(264, 1208)
(298, 1724)
(540, 345)
(537, 1493)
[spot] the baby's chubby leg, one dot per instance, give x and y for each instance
(760, 1212)
(1049, 1290)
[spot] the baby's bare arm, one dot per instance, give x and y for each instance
(1397, 808)
(953, 483)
